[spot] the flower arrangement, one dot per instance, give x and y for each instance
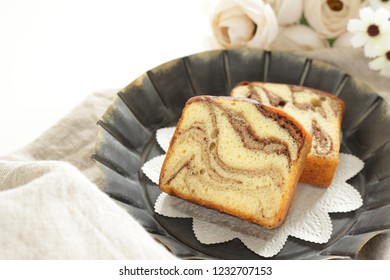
(305, 25)
(372, 31)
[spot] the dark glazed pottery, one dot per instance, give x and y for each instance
(126, 140)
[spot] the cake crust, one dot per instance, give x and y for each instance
(193, 191)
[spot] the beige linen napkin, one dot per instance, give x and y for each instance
(50, 198)
(55, 212)
(51, 210)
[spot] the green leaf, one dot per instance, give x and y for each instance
(331, 41)
(303, 21)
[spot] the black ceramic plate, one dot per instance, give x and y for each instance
(126, 140)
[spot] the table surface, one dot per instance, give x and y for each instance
(55, 53)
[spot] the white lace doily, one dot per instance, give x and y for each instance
(308, 218)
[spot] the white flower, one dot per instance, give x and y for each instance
(287, 11)
(329, 18)
(382, 63)
(376, 4)
(298, 38)
(372, 31)
(244, 23)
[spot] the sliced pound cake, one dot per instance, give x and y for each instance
(319, 112)
(236, 156)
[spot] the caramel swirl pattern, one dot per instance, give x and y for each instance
(274, 100)
(322, 142)
(236, 156)
(290, 102)
(213, 167)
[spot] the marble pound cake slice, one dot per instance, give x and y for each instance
(319, 112)
(236, 156)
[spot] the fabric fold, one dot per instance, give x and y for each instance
(54, 212)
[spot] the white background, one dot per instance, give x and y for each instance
(54, 53)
